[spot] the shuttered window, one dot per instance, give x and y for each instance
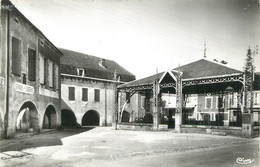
(84, 94)
(41, 71)
(50, 73)
(31, 64)
(97, 95)
(72, 93)
(208, 102)
(220, 102)
(16, 56)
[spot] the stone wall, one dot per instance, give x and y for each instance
(105, 108)
(21, 91)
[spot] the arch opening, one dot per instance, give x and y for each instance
(148, 118)
(50, 118)
(68, 118)
(90, 118)
(125, 116)
(27, 119)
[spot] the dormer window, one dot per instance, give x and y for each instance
(116, 76)
(102, 63)
(80, 72)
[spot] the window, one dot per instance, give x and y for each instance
(41, 71)
(97, 95)
(84, 94)
(31, 64)
(208, 102)
(81, 72)
(16, 56)
(220, 102)
(50, 73)
(71, 93)
(56, 76)
(198, 117)
(212, 116)
(188, 99)
(128, 97)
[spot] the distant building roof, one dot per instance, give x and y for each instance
(205, 68)
(198, 69)
(93, 66)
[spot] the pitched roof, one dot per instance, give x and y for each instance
(205, 68)
(71, 60)
(198, 69)
(14, 9)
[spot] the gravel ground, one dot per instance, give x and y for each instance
(102, 144)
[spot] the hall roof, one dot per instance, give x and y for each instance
(92, 66)
(199, 69)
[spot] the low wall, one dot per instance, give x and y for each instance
(135, 126)
(217, 130)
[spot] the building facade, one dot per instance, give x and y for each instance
(29, 75)
(88, 89)
(200, 94)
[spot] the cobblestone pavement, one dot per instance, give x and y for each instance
(103, 144)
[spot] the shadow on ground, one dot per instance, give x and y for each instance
(49, 138)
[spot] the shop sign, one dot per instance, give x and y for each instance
(19, 87)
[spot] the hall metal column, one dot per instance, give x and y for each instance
(178, 112)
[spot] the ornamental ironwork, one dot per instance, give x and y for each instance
(248, 81)
(238, 78)
(179, 93)
(137, 88)
(168, 85)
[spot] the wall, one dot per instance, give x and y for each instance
(3, 60)
(105, 107)
(19, 92)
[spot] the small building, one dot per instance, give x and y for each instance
(29, 75)
(202, 94)
(88, 89)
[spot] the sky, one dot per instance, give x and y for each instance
(145, 35)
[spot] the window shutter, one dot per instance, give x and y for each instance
(97, 95)
(31, 64)
(41, 72)
(50, 73)
(143, 100)
(16, 56)
(45, 71)
(72, 93)
(84, 94)
(56, 77)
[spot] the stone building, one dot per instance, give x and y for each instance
(88, 89)
(204, 95)
(29, 75)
